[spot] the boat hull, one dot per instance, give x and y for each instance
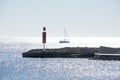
(64, 41)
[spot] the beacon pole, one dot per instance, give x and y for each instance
(44, 37)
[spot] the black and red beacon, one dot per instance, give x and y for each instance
(44, 37)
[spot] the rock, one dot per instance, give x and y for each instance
(68, 52)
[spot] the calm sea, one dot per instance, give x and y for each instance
(14, 67)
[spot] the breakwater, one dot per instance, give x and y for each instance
(67, 52)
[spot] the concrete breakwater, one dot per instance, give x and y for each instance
(68, 52)
(107, 53)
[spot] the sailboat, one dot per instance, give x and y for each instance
(65, 38)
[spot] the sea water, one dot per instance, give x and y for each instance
(14, 67)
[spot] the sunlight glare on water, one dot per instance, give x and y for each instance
(14, 67)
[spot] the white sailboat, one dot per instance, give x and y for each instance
(65, 38)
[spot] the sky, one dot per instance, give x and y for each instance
(81, 18)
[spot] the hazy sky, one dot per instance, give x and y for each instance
(82, 18)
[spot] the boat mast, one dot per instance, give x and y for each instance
(65, 34)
